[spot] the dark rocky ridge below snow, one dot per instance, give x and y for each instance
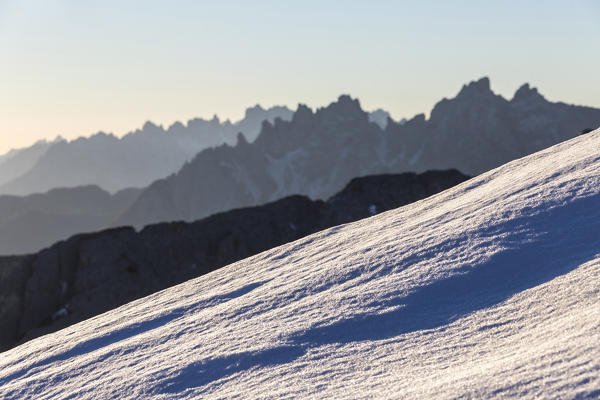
(92, 273)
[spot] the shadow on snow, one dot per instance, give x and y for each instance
(564, 238)
(567, 237)
(203, 372)
(126, 332)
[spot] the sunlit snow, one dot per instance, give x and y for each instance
(489, 289)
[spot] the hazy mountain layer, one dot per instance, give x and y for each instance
(316, 152)
(17, 162)
(92, 273)
(36, 221)
(487, 290)
(135, 160)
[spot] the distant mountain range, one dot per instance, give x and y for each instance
(92, 273)
(316, 152)
(135, 160)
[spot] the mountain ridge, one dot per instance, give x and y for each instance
(315, 154)
(156, 152)
(316, 150)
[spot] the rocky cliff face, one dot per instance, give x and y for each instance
(314, 152)
(92, 273)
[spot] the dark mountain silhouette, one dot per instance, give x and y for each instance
(92, 273)
(135, 160)
(479, 130)
(315, 152)
(33, 222)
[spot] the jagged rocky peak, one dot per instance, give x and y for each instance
(345, 108)
(241, 139)
(176, 126)
(476, 93)
(346, 103)
(43, 142)
(151, 127)
(479, 87)
(257, 113)
(252, 111)
(303, 113)
(527, 93)
(100, 136)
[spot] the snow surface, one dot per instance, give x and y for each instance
(489, 289)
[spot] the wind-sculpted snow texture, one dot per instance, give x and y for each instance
(489, 289)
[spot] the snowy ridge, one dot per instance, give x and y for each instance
(489, 289)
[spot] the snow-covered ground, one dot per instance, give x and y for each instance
(489, 289)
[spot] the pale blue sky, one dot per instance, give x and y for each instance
(72, 68)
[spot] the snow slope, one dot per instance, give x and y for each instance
(489, 289)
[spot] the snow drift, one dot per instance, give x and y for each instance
(489, 289)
